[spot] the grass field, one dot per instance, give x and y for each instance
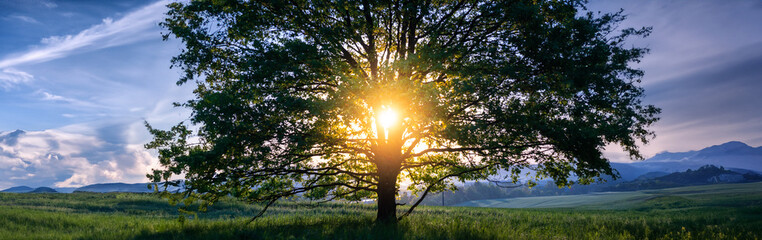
(707, 195)
(706, 212)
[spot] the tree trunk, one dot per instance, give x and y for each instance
(387, 194)
(388, 164)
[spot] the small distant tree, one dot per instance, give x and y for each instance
(350, 99)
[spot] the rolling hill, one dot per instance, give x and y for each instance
(19, 189)
(98, 188)
(708, 174)
(718, 194)
(25, 189)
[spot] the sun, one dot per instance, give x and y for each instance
(387, 118)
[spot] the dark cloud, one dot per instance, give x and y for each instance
(717, 103)
(730, 89)
(704, 70)
(11, 138)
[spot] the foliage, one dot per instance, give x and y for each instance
(290, 96)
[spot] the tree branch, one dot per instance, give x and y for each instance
(426, 192)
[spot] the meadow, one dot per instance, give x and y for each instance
(683, 197)
(732, 211)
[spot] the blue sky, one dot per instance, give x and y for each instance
(80, 77)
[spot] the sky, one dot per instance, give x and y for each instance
(79, 78)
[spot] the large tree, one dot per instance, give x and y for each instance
(352, 99)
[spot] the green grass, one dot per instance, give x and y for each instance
(738, 195)
(705, 212)
(606, 200)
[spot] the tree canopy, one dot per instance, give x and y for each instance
(354, 99)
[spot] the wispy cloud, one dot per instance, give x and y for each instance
(10, 77)
(24, 18)
(47, 96)
(48, 4)
(132, 27)
(53, 97)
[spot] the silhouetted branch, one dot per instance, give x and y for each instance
(426, 192)
(261, 212)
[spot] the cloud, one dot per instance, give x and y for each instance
(10, 77)
(713, 105)
(703, 71)
(686, 35)
(132, 27)
(60, 158)
(24, 18)
(51, 97)
(46, 96)
(49, 4)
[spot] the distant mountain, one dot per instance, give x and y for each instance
(100, 188)
(731, 155)
(629, 171)
(708, 174)
(651, 175)
(742, 171)
(43, 190)
(115, 187)
(19, 189)
(25, 189)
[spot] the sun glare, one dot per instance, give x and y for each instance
(387, 118)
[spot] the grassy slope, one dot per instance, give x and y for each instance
(566, 201)
(695, 195)
(708, 212)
